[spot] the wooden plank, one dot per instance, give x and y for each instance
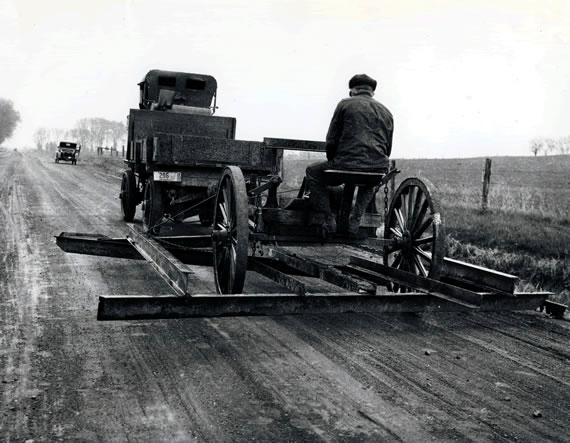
(127, 307)
(145, 124)
(190, 150)
(286, 217)
(294, 145)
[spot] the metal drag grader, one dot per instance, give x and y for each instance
(207, 197)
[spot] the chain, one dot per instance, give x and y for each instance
(386, 190)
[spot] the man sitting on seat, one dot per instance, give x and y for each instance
(359, 139)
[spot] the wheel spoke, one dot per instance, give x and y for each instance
(423, 253)
(418, 218)
(418, 203)
(426, 224)
(396, 232)
(397, 261)
(400, 219)
(225, 219)
(420, 266)
(411, 201)
(424, 240)
(393, 248)
(227, 193)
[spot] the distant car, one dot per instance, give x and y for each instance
(68, 152)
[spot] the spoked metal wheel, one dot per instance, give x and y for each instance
(415, 224)
(230, 235)
(128, 195)
(152, 210)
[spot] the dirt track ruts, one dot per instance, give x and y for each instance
(65, 376)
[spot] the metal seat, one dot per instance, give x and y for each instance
(336, 177)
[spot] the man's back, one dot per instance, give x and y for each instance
(361, 131)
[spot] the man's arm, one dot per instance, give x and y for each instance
(334, 133)
(390, 134)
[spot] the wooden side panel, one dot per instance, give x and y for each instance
(294, 145)
(189, 150)
(144, 124)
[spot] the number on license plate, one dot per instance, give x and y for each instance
(167, 176)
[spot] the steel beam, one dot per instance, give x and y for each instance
(127, 307)
(177, 274)
(96, 244)
(414, 281)
(483, 277)
(380, 279)
(519, 301)
(287, 281)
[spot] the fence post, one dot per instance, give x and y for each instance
(486, 181)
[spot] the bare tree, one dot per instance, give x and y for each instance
(536, 145)
(58, 134)
(82, 133)
(117, 132)
(9, 119)
(41, 136)
(99, 130)
(550, 146)
(563, 145)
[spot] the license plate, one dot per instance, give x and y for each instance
(167, 176)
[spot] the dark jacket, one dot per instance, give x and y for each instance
(360, 134)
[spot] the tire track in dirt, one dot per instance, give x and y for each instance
(414, 378)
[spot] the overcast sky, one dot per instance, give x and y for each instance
(463, 78)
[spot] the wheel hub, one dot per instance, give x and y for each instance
(221, 235)
(406, 240)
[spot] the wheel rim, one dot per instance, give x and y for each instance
(152, 213)
(230, 235)
(415, 224)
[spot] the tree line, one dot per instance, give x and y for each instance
(90, 133)
(546, 146)
(9, 119)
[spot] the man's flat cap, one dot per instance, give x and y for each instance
(362, 80)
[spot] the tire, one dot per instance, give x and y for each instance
(128, 195)
(152, 214)
(230, 234)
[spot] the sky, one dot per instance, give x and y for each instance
(463, 78)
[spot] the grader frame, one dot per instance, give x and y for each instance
(185, 164)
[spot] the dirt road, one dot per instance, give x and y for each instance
(66, 376)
